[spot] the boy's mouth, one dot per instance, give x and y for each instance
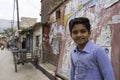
(80, 39)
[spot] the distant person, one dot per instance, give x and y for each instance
(8, 46)
(89, 61)
(23, 44)
(2, 46)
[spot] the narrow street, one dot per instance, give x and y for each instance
(25, 72)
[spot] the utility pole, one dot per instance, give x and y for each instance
(12, 21)
(12, 24)
(19, 39)
(17, 15)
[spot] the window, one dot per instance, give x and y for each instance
(37, 41)
(58, 14)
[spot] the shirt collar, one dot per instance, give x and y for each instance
(87, 48)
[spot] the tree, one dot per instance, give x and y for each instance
(9, 31)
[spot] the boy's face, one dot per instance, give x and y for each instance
(80, 34)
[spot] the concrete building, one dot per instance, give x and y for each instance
(104, 17)
(51, 50)
(37, 40)
(25, 32)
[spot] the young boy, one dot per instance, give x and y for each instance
(88, 60)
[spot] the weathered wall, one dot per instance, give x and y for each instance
(46, 6)
(115, 43)
(53, 41)
(27, 22)
(46, 47)
(104, 16)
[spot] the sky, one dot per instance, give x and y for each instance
(27, 8)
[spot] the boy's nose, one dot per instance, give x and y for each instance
(79, 34)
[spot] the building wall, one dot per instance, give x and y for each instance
(51, 45)
(27, 22)
(56, 31)
(115, 49)
(105, 18)
(37, 31)
(46, 47)
(46, 6)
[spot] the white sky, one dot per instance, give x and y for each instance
(27, 8)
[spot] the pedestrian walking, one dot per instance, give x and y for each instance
(2, 46)
(89, 61)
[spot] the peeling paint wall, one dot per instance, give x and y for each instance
(56, 34)
(37, 32)
(102, 14)
(53, 41)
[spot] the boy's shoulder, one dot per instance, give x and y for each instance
(97, 47)
(92, 47)
(74, 49)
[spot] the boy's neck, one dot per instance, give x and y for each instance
(81, 47)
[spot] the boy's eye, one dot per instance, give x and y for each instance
(81, 31)
(75, 32)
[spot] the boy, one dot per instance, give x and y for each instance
(88, 60)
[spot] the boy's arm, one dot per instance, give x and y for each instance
(104, 65)
(72, 69)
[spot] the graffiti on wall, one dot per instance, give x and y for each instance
(100, 19)
(104, 39)
(61, 32)
(53, 17)
(108, 3)
(64, 69)
(53, 40)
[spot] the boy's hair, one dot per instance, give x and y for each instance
(80, 20)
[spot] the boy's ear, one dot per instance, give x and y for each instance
(90, 32)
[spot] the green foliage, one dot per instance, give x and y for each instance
(9, 31)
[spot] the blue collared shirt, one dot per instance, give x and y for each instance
(92, 63)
